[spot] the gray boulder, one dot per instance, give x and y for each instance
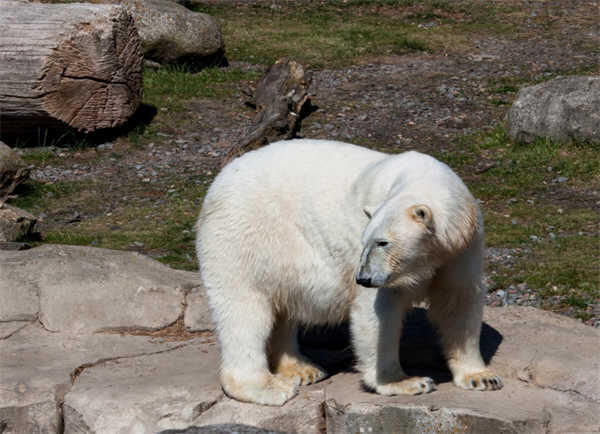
(171, 33)
(13, 171)
(565, 108)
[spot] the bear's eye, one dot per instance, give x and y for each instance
(381, 243)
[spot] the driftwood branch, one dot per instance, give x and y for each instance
(281, 99)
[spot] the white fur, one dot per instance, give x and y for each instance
(280, 238)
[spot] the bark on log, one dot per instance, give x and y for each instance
(76, 65)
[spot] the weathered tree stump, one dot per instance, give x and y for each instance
(75, 65)
(281, 98)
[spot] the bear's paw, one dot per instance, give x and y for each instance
(300, 370)
(264, 389)
(484, 380)
(408, 386)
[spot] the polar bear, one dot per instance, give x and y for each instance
(318, 232)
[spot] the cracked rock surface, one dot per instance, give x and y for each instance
(80, 289)
(146, 380)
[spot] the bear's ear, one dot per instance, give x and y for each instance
(369, 210)
(422, 214)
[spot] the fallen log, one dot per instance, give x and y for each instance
(67, 65)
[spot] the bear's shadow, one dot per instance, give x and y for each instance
(420, 351)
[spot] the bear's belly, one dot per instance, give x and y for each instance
(326, 302)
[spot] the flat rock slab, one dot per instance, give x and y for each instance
(7, 329)
(518, 408)
(547, 350)
(550, 367)
(145, 394)
(303, 414)
(113, 384)
(76, 289)
(173, 390)
(197, 315)
(38, 368)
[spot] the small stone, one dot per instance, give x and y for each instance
(138, 244)
(562, 179)
(533, 237)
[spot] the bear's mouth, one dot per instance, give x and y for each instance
(370, 280)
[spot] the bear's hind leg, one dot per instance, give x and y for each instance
(285, 358)
(244, 328)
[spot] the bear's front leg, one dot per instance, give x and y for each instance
(376, 323)
(459, 325)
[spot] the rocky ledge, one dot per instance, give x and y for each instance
(98, 341)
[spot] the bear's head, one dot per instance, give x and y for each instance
(407, 239)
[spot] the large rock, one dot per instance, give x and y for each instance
(82, 289)
(13, 171)
(171, 33)
(15, 223)
(564, 108)
(145, 394)
(174, 390)
(197, 315)
(38, 368)
(111, 383)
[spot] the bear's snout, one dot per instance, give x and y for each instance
(364, 281)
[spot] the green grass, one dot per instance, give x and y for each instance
(34, 194)
(332, 35)
(335, 34)
(166, 231)
(40, 157)
(521, 201)
(169, 87)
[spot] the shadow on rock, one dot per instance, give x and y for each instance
(420, 350)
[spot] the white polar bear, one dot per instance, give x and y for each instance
(316, 232)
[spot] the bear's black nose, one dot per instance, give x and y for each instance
(364, 281)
